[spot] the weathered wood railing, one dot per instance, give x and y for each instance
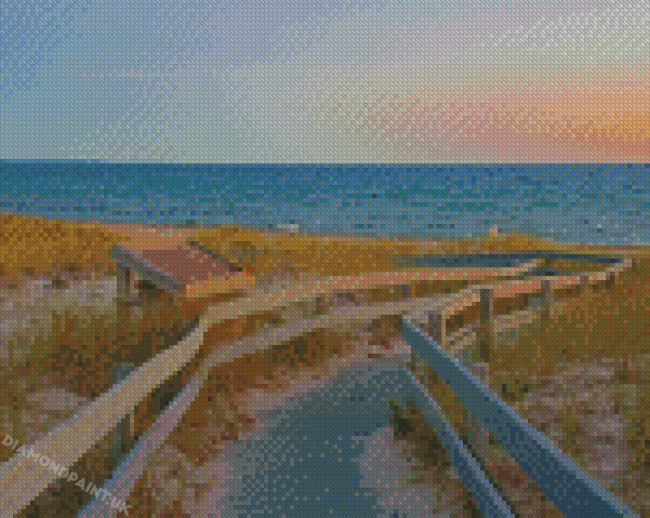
(132, 467)
(553, 471)
(485, 296)
(68, 442)
(71, 440)
(573, 491)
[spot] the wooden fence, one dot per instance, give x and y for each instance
(572, 490)
(72, 439)
(69, 441)
(485, 298)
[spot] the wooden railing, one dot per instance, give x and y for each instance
(486, 296)
(552, 470)
(68, 442)
(572, 490)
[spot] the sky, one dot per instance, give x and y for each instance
(473, 81)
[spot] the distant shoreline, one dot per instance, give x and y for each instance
(187, 228)
(177, 232)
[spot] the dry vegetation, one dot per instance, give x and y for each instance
(69, 345)
(33, 247)
(268, 255)
(78, 353)
(575, 378)
(65, 343)
(264, 253)
(608, 323)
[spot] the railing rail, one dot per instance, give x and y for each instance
(572, 490)
(490, 502)
(486, 295)
(71, 440)
(74, 438)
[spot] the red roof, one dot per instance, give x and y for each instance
(180, 266)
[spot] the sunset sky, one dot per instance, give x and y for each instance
(259, 82)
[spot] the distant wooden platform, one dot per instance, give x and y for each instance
(185, 270)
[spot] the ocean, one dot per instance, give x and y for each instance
(607, 204)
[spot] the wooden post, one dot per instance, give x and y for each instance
(437, 327)
(547, 301)
(126, 285)
(584, 284)
(486, 312)
(123, 283)
(321, 304)
(125, 432)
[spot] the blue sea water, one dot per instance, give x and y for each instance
(605, 204)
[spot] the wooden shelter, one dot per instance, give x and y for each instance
(145, 272)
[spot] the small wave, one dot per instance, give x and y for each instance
(287, 226)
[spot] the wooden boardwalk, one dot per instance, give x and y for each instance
(72, 439)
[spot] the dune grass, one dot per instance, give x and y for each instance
(38, 247)
(606, 323)
(611, 323)
(76, 353)
(76, 349)
(34, 246)
(264, 252)
(47, 247)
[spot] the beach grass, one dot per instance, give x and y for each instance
(262, 253)
(77, 350)
(606, 323)
(37, 247)
(327, 255)
(34, 246)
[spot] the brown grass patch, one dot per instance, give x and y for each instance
(606, 322)
(36, 247)
(79, 350)
(42, 247)
(576, 265)
(262, 253)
